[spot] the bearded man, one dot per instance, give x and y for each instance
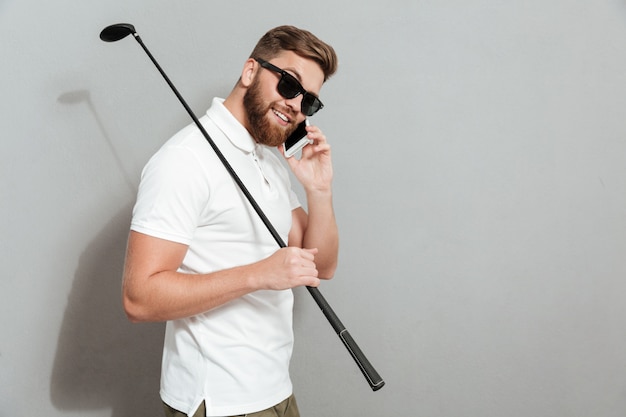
(199, 257)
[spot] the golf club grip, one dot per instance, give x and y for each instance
(370, 374)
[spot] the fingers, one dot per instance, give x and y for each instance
(313, 281)
(309, 253)
(302, 261)
(301, 268)
(288, 267)
(320, 144)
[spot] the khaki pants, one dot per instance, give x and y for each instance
(287, 408)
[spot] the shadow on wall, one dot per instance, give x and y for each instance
(102, 360)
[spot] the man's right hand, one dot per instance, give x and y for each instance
(288, 268)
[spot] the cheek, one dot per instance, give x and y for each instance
(266, 88)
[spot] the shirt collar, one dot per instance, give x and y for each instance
(230, 126)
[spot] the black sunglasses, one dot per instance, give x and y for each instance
(290, 87)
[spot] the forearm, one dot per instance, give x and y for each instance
(170, 295)
(321, 232)
(318, 228)
(153, 290)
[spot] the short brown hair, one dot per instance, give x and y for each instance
(300, 41)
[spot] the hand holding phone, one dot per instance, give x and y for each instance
(297, 140)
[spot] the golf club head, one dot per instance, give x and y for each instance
(116, 32)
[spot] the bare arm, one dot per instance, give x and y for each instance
(153, 290)
(318, 228)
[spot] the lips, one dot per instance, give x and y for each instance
(281, 116)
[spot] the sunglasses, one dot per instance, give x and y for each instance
(289, 87)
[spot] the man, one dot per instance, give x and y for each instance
(200, 258)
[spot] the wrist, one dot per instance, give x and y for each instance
(318, 193)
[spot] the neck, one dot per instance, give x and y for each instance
(234, 104)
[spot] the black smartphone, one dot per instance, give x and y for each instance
(297, 140)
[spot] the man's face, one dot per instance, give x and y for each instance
(271, 117)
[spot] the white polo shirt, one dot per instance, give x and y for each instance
(234, 357)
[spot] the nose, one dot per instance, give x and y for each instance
(295, 103)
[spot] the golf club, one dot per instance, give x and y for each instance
(119, 31)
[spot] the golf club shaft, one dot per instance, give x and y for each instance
(372, 377)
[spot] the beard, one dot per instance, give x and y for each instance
(259, 125)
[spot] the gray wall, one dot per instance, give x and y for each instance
(480, 156)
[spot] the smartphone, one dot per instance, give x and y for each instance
(297, 140)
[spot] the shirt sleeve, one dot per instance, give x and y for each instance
(172, 193)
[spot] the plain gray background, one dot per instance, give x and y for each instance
(480, 157)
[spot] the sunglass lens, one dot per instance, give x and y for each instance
(288, 86)
(308, 105)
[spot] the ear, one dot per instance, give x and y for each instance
(249, 71)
